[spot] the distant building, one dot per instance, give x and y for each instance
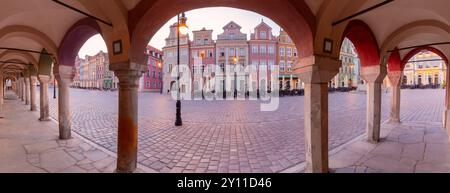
(263, 54)
(210, 65)
(170, 62)
(93, 73)
(348, 75)
(152, 80)
(287, 57)
(79, 63)
(202, 60)
(231, 50)
(423, 69)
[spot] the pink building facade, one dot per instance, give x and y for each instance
(152, 80)
(262, 55)
(202, 61)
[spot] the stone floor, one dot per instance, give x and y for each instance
(405, 148)
(29, 146)
(231, 136)
(32, 146)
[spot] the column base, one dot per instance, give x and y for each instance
(394, 121)
(65, 138)
(373, 141)
(446, 121)
(44, 119)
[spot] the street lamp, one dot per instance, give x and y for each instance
(183, 29)
(160, 77)
(203, 72)
(235, 60)
(54, 87)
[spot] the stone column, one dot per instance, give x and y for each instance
(446, 117)
(374, 76)
(1, 92)
(65, 77)
(27, 91)
(43, 99)
(395, 80)
(33, 80)
(316, 72)
(22, 89)
(128, 115)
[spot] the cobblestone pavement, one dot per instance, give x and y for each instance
(231, 136)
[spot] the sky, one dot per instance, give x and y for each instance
(210, 18)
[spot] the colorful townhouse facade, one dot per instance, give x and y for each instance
(152, 79)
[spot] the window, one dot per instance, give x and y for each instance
(289, 66)
(271, 64)
(271, 49)
(209, 54)
(255, 63)
(282, 66)
(194, 69)
(169, 54)
(262, 62)
(263, 35)
(255, 49)
(282, 51)
(232, 52)
(147, 84)
(184, 52)
(289, 52)
(195, 53)
(170, 68)
(242, 50)
(222, 52)
(262, 49)
(154, 74)
(159, 75)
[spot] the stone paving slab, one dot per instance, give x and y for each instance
(396, 154)
(29, 146)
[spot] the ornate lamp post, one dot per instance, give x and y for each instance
(160, 77)
(54, 87)
(203, 73)
(183, 29)
(235, 60)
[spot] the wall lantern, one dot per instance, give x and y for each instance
(117, 47)
(328, 46)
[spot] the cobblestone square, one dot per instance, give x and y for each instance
(232, 136)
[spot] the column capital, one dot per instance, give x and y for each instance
(128, 78)
(127, 66)
(374, 74)
(33, 78)
(65, 74)
(44, 78)
(317, 69)
(395, 77)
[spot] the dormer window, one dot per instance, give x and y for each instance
(263, 35)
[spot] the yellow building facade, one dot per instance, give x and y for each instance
(425, 68)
